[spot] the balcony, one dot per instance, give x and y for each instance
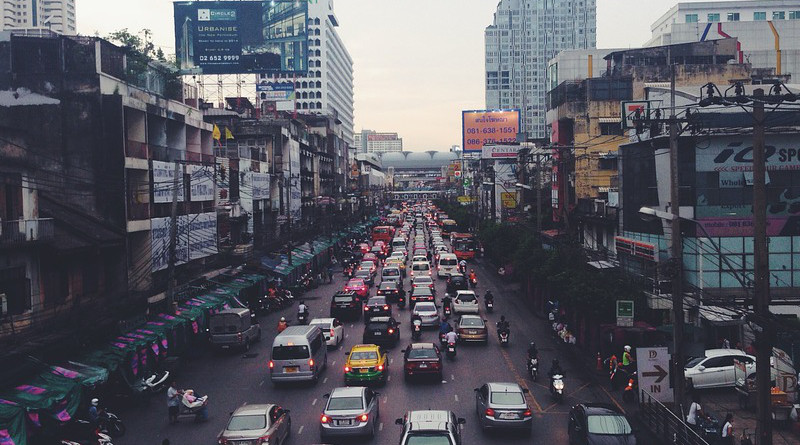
(23, 231)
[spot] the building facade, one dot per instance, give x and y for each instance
(369, 141)
(53, 15)
(524, 36)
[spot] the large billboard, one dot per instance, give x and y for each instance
(239, 37)
(481, 127)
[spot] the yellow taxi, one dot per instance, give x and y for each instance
(366, 364)
(398, 262)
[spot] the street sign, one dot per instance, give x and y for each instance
(467, 182)
(457, 173)
(652, 365)
(625, 313)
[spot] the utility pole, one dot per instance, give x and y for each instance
(761, 298)
(676, 251)
(173, 239)
(288, 187)
(494, 195)
(538, 193)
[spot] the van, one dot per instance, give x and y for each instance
(398, 243)
(420, 268)
(448, 264)
(298, 354)
(233, 328)
(390, 273)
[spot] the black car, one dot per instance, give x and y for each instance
(455, 283)
(599, 423)
(345, 305)
(422, 359)
(384, 331)
(392, 290)
(377, 307)
(419, 294)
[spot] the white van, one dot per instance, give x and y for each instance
(420, 268)
(391, 273)
(448, 264)
(298, 353)
(399, 243)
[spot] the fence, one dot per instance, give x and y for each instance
(664, 424)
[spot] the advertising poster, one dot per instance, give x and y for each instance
(260, 183)
(163, 174)
(275, 91)
(240, 37)
(295, 197)
(159, 242)
(202, 235)
(480, 127)
(201, 182)
(505, 183)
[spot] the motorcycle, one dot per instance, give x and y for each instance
(503, 337)
(90, 436)
(710, 429)
(533, 367)
(416, 332)
(155, 383)
(302, 317)
(442, 339)
(451, 350)
(401, 302)
(557, 387)
(193, 406)
(489, 306)
(629, 394)
(447, 311)
(110, 423)
(473, 282)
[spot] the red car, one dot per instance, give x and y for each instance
(364, 247)
(370, 257)
(358, 286)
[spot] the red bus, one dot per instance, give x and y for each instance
(383, 233)
(464, 245)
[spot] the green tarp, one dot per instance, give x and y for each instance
(12, 424)
(87, 375)
(47, 394)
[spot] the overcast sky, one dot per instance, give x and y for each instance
(417, 63)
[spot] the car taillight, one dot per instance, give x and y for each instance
(239, 337)
(263, 440)
(436, 365)
(526, 413)
(366, 308)
(332, 333)
(346, 369)
(363, 417)
(324, 419)
(385, 307)
(380, 367)
(438, 267)
(271, 364)
(223, 441)
(391, 331)
(489, 412)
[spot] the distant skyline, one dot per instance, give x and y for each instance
(417, 63)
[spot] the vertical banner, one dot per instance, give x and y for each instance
(163, 181)
(159, 243)
(202, 235)
(260, 183)
(201, 182)
(295, 203)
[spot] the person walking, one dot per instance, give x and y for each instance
(727, 430)
(173, 402)
(330, 273)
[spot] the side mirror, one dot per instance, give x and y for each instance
(398, 421)
(376, 393)
(346, 353)
(476, 389)
(701, 368)
(462, 421)
(325, 396)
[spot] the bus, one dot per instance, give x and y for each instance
(464, 245)
(383, 233)
(448, 226)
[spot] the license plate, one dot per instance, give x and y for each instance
(378, 333)
(509, 416)
(363, 370)
(473, 332)
(291, 369)
(423, 365)
(344, 422)
(376, 309)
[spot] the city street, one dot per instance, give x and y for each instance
(232, 379)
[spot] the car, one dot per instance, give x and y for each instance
(391, 273)
(598, 423)
(420, 268)
(350, 411)
(428, 313)
(396, 262)
(384, 331)
(418, 259)
(423, 281)
(332, 329)
(377, 252)
(251, 423)
(370, 265)
(430, 427)
(472, 328)
(715, 368)
(439, 249)
(377, 307)
(465, 302)
(502, 406)
(364, 248)
(358, 286)
(365, 275)
(366, 363)
(399, 254)
(422, 359)
(392, 290)
(421, 253)
(345, 304)
(420, 294)
(456, 282)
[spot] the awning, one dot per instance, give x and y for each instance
(602, 264)
(720, 316)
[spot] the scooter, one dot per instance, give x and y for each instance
(503, 337)
(557, 387)
(94, 437)
(447, 311)
(533, 368)
(110, 423)
(473, 283)
(155, 383)
(489, 306)
(416, 331)
(302, 317)
(401, 302)
(451, 350)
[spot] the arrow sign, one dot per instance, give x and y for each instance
(660, 373)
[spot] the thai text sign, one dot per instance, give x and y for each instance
(480, 127)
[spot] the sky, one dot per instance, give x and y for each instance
(417, 63)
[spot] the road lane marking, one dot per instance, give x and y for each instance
(262, 383)
(452, 377)
(612, 399)
(389, 379)
(300, 431)
(522, 382)
(391, 360)
(456, 397)
(577, 390)
(325, 380)
(380, 427)
(314, 402)
(385, 399)
(346, 335)
(333, 363)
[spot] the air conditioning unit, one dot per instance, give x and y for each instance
(599, 207)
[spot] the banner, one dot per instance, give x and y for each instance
(202, 235)
(480, 127)
(260, 184)
(163, 174)
(201, 182)
(277, 91)
(295, 198)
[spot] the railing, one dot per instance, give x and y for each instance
(13, 233)
(663, 423)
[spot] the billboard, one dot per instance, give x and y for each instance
(500, 151)
(276, 91)
(481, 127)
(163, 182)
(235, 37)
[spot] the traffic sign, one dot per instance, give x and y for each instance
(653, 371)
(625, 313)
(467, 182)
(457, 173)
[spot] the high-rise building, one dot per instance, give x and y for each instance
(53, 15)
(369, 141)
(768, 30)
(525, 35)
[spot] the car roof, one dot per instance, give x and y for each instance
(600, 409)
(364, 347)
(376, 297)
(719, 352)
(345, 293)
(321, 321)
(348, 391)
(356, 281)
(462, 292)
(421, 291)
(253, 409)
(424, 304)
(379, 320)
(422, 277)
(471, 316)
(504, 387)
(421, 346)
(391, 284)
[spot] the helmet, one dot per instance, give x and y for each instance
(472, 270)
(95, 402)
(502, 318)
(283, 318)
(627, 348)
(532, 345)
(555, 362)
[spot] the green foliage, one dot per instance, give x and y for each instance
(140, 51)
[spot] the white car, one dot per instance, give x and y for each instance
(332, 329)
(715, 369)
(427, 313)
(465, 302)
(423, 281)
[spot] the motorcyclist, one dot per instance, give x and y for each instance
(415, 317)
(462, 265)
(532, 351)
(94, 411)
(451, 337)
(444, 327)
(627, 359)
(555, 369)
(488, 298)
(302, 309)
(282, 325)
(502, 325)
(447, 301)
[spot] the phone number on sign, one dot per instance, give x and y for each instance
(232, 58)
(483, 141)
(492, 130)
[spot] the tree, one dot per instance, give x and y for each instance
(140, 51)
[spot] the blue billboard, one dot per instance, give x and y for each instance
(241, 37)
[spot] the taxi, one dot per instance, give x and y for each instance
(366, 364)
(398, 263)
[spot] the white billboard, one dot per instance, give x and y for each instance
(653, 372)
(201, 183)
(163, 181)
(196, 238)
(260, 185)
(202, 235)
(499, 151)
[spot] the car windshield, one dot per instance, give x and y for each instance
(322, 324)
(425, 307)
(507, 398)
(694, 362)
(342, 299)
(290, 352)
(248, 422)
(377, 325)
(391, 272)
(345, 403)
(376, 300)
(421, 353)
(362, 273)
(367, 264)
(428, 439)
(472, 322)
(608, 425)
(355, 283)
(364, 355)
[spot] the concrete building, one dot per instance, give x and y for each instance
(369, 141)
(31, 15)
(768, 31)
(524, 36)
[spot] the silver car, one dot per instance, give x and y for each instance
(350, 411)
(503, 406)
(427, 313)
(250, 424)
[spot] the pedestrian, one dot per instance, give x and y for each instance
(727, 430)
(173, 401)
(695, 413)
(330, 274)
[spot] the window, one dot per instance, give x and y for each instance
(778, 15)
(794, 15)
(713, 17)
(691, 18)
(610, 129)
(759, 15)
(733, 16)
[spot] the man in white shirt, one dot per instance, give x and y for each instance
(695, 413)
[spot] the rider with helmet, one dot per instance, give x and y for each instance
(555, 369)
(502, 325)
(532, 351)
(282, 325)
(94, 411)
(627, 358)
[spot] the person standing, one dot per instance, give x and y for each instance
(695, 413)
(173, 402)
(727, 430)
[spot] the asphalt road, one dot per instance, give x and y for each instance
(232, 379)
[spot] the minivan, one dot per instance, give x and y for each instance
(448, 264)
(398, 243)
(298, 354)
(233, 328)
(420, 268)
(390, 273)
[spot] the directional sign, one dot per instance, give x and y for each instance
(653, 370)
(467, 182)
(624, 313)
